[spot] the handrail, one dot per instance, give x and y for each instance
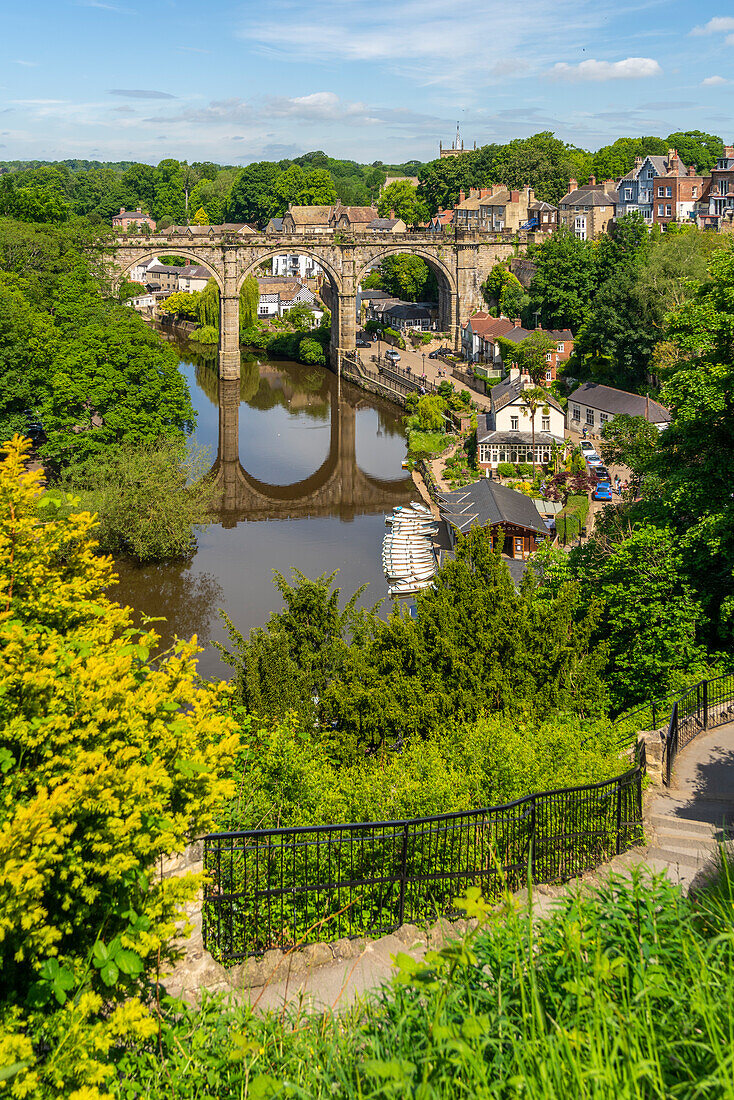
(285, 886)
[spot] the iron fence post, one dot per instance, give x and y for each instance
(403, 874)
(654, 717)
(531, 849)
(705, 687)
(618, 845)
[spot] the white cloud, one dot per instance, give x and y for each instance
(631, 68)
(711, 81)
(718, 25)
(26, 64)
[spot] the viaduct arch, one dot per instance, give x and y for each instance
(461, 265)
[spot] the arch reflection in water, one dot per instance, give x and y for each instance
(337, 487)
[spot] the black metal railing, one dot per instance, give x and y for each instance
(680, 717)
(282, 887)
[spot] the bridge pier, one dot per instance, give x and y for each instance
(343, 329)
(229, 321)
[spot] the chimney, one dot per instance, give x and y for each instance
(392, 214)
(122, 209)
(692, 170)
(462, 196)
(514, 196)
(138, 210)
(609, 185)
(572, 184)
(440, 210)
(517, 322)
(592, 181)
(639, 162)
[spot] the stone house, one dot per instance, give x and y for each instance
(163, 277)
(493, 209)
(505, 433)
(305, 220)
(588, 211)
(592, 406)
(136, 217)
(354, 219)
(510, 516)
(716, 208)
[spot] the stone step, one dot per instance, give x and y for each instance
(680, 857)
(662, 821)
(692, 842)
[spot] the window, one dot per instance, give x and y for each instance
(603, 418)
(514, 423)
(580, 228)
(590, 418)
(628, 193)
(549, 357)
(694, 192)
(559, 349)
(661, 210)
(262, 311)
(575, 412)
(602, 209)
(545, 424)
(668, 210)
(549, 376)
(519, 546)
(668, 193)
(660, 192)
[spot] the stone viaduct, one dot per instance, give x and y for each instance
(460, 264)
(338, 487)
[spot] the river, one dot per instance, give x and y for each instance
(307, 468)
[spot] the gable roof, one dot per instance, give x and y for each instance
(384, 223)
(610, 400)
(356, 214)
(194, 271)
(509, 391)
(542, 206)
(487, 503)
(590, 196)
(483, 324)
(310, 215)
(274, 225)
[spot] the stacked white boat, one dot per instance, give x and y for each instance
(408, 557)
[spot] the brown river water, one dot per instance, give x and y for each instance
(307, 467)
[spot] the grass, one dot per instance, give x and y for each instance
(627, 994)
(428, 444)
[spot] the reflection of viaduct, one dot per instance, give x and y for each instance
(338, 487)
(460, 265)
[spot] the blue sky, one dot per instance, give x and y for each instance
(363, 79)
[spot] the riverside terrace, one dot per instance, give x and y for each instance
(460, 265)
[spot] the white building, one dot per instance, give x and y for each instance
(277, 296)
(193, 278)
(138, 273)
(591, 406)
(295, 266)
(505, 433)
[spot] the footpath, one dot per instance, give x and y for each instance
(683, 828)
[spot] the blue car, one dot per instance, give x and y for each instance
(603, 491)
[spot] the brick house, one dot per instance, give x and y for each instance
(126, 218)
(677, 194)
(441, 221)
(492, 209)
(716, 209)
(589, 210)
(481, 336)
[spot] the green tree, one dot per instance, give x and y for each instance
(430, 411)
(697, 148)
(253, 197)
(201, 217)
(318, 188)
(529, 356)
(617, 159)
(563, 285)
(532, 399)
(649, 615)
(289, 185)
(208, 305)
(408, 277)
(249, 301)
(402, 198)
(629, 441)
(182, 303)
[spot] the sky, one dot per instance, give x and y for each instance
(361, 79)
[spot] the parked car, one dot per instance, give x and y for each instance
(440, 352)
(362, 343)
(587, 448)
(603, 491)
(392, 355)
(602, 473)
(594, 462)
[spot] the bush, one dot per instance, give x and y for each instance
(394, 338)
(207, 334)
(310, 351)
(525, 469)
(507, 469)
(109, 762)
(428, 443)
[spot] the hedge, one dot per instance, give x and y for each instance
(572, 518)
(507, 469)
